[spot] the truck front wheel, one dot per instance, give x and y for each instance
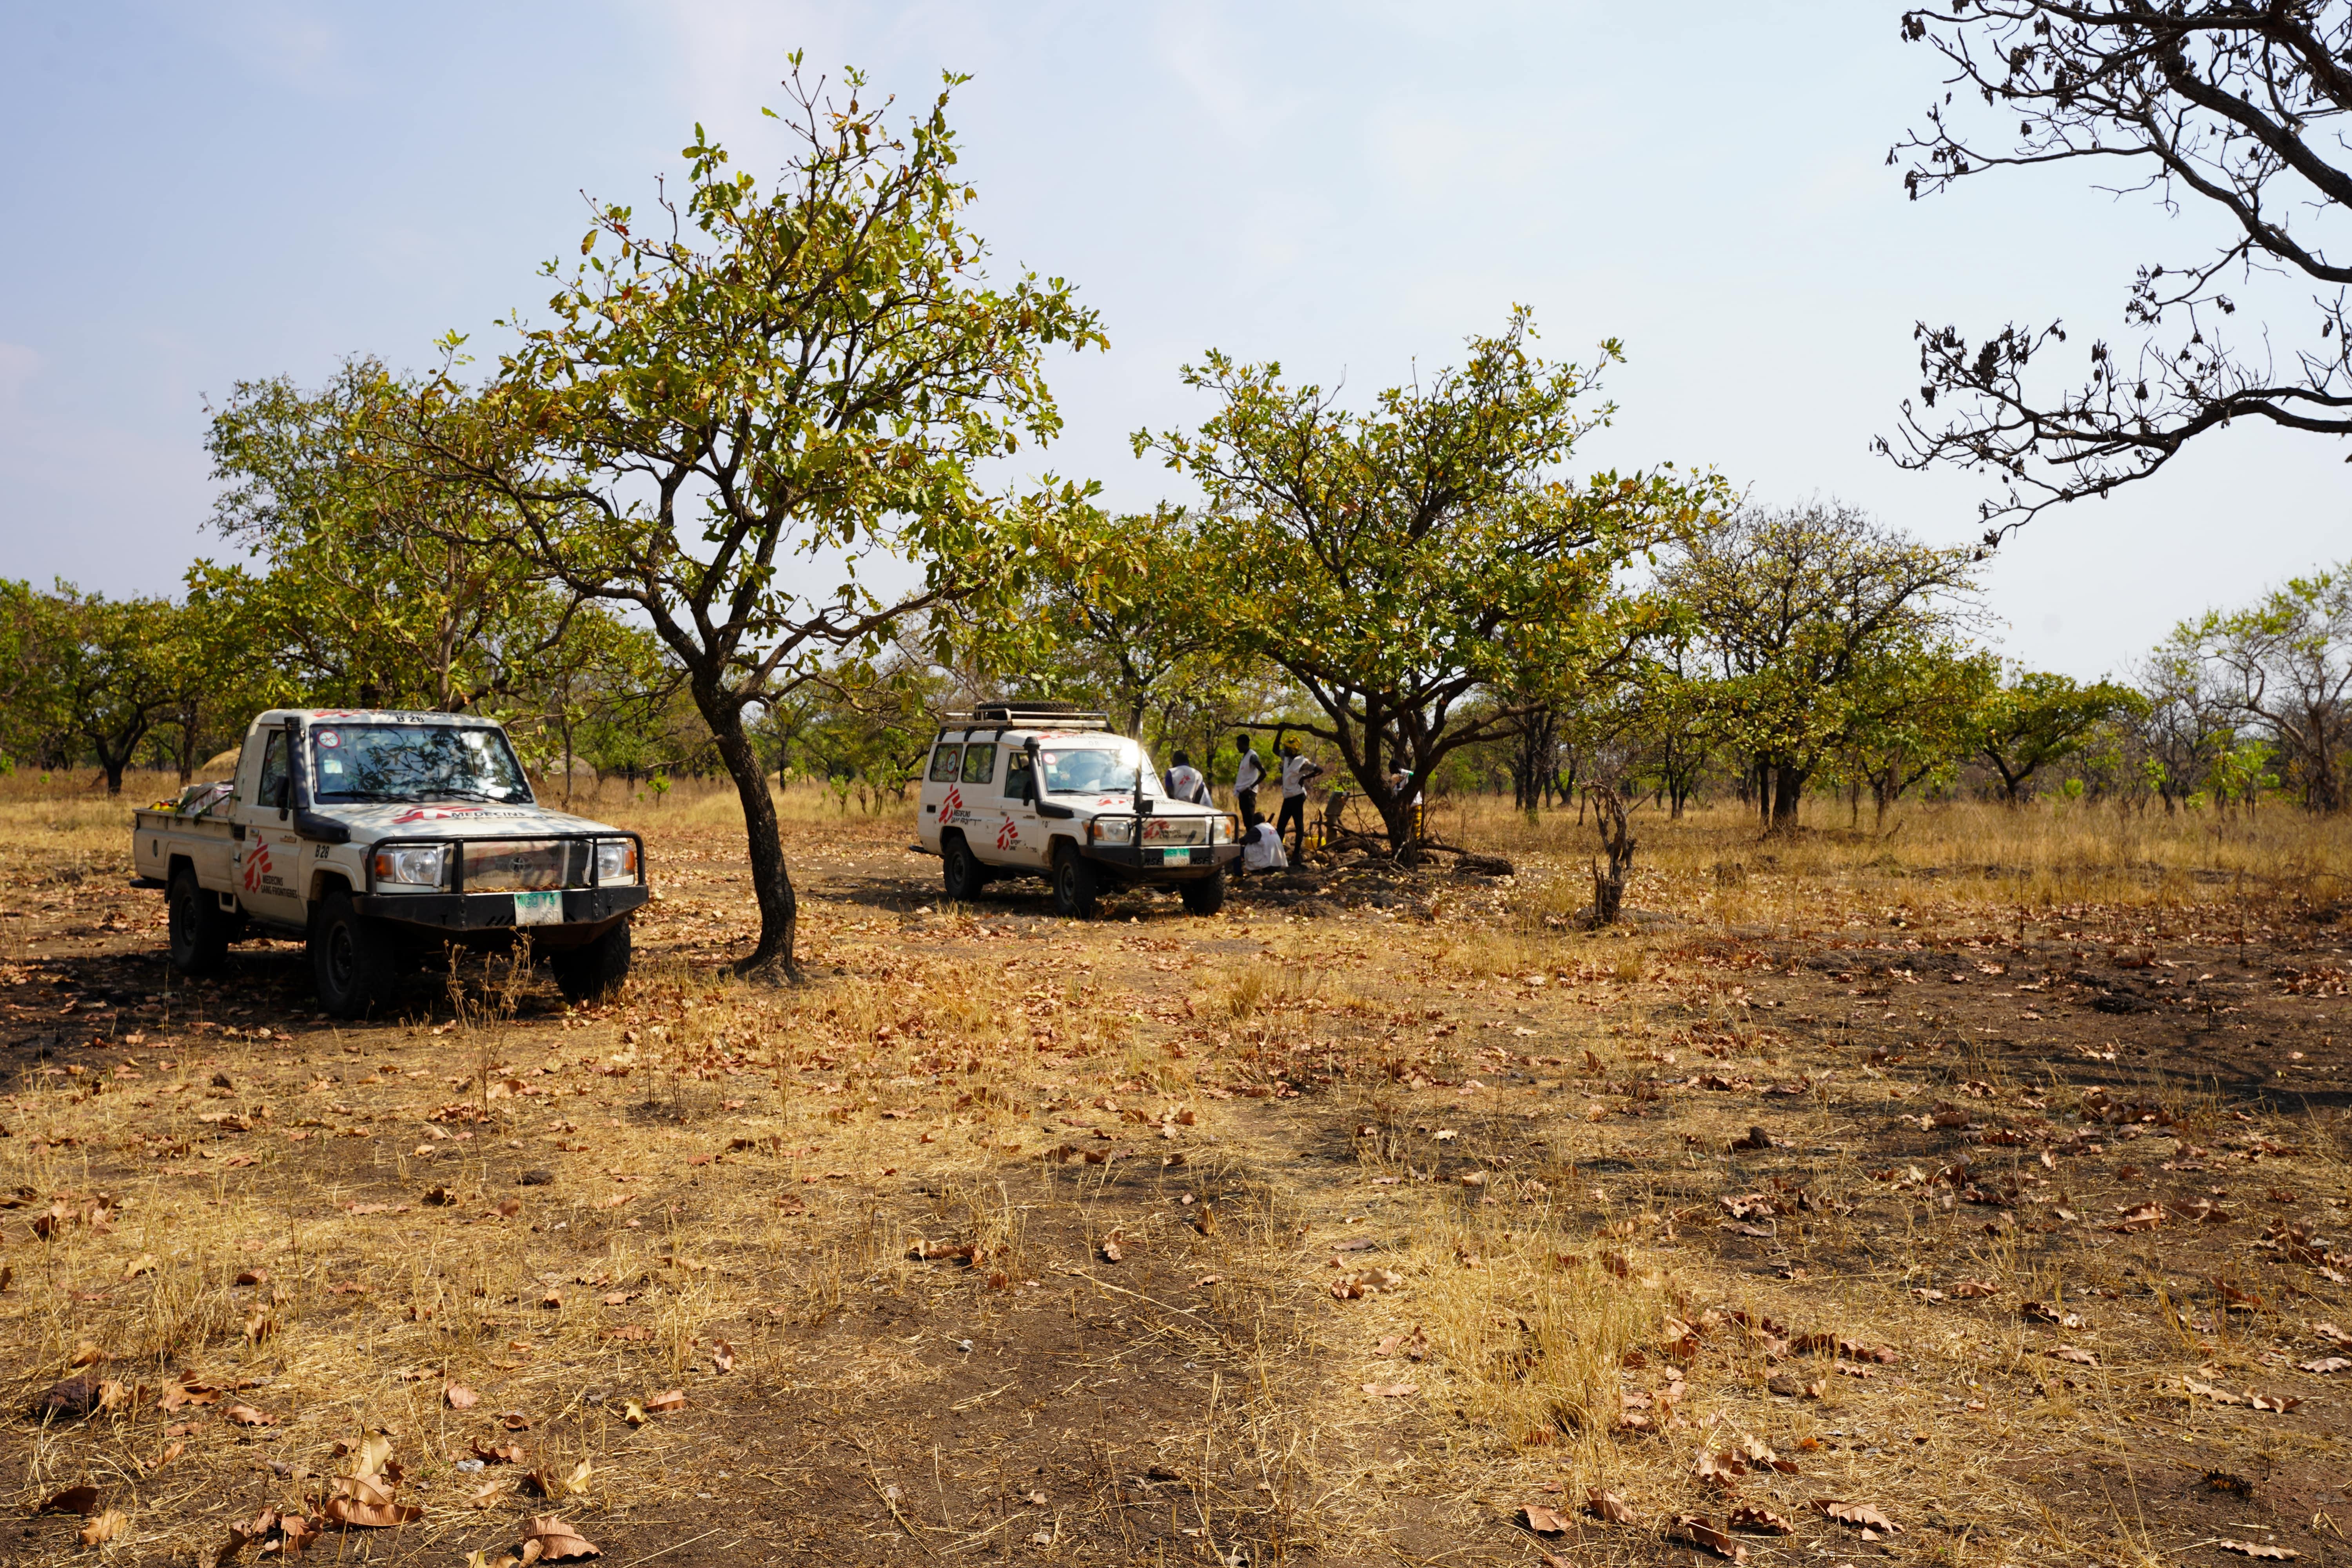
(1075, 887)
(594, 969)
(1206, 897)
(199, 932)
(354, 963)
(959, 870)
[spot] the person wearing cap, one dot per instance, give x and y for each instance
(1184, 780)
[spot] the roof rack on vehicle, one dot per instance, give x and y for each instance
(1058, 715)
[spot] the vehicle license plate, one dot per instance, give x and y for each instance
(1176, 857)
(539, 908)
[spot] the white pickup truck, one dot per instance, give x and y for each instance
(1040, 791)
(379, 836)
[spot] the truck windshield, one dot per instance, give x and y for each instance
(414, 763)
(1096, 770)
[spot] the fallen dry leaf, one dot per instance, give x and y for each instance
(1975, 1288)
(2070, 1353)
(105, 1527)
(2255, 1549)
(1545, 1520)
(1860, 1515)
(1608, 1506)
(1761, 1521)
(722, 1355)
(669, 1399)
(246, 1415)
(170, 1452)
(459, 1396)
(548, 1539)
(1365, 1282)
(2324, 1365)
(1712, 1536)
(82, 1499)
(497, 1453)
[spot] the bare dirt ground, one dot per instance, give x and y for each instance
(1841, 1206)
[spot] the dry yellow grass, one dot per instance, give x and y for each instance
(743, 1173)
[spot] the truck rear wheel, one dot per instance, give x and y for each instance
(1075, 887)
(199, 932)
(594, 969)
(354, 963)
(1206, 897)
(959, 870)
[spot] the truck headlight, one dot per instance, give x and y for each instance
(617, 860)
(419, 865)
(1113, 830)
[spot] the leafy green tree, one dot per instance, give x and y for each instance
(735, 417)
(1914, 718)
(2037, 718)
(2284, 664)
(379, 587)
(1405, 563)
(1800, 611)
(114, 671)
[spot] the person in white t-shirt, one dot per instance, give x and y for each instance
(1297, 773)
(1247, 777)
(1262, 847)
(1185, 781)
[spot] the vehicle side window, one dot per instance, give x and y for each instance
(979, 763)
(943, 762)
(273, 767)
(1017, 775)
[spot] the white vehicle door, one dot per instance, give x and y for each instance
(270, 869)
(979, 808)
(1021, 841)
(939, 786)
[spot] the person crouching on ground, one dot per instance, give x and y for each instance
(1261, 846)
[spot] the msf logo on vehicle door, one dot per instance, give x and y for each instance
(952, 807)
(258, 869)
(1009, 836)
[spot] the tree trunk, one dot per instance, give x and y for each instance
(188, 737)
(771, 881)
(1788, 788)
(1617, 839)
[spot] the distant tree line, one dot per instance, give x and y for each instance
(722, 510)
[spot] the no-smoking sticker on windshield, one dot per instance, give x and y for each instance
(328, 738)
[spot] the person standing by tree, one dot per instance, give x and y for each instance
(1297, 773)
(1248, 775)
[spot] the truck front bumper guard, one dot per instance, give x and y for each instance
(1175, 858)
(492, 911)
(584, 908)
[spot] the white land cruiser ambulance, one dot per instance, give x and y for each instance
(1039, 790)
(377, 836)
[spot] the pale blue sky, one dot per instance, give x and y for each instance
(194, 194)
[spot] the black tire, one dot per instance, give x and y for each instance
(1206, 897)
(200, 931)
(353, 961)
(959, 870)
(594, 969)
(1077, 888)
